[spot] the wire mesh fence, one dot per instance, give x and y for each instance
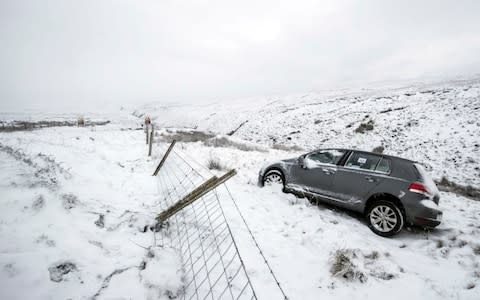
(212, 263)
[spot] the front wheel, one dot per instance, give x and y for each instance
(385, 218)
(273, 177)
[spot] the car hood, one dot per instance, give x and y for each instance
(290, 160)
(279, 163)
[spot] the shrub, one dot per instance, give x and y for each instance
(365, 127)
(214, 164)
(81, 121)
(374, 255)
(476, 250)
(378, 149)
(343, 266)
(440, 243)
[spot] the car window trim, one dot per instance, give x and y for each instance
(378, 162)
(344, 158)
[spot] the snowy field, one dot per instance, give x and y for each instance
(75, 201)
(437, 124)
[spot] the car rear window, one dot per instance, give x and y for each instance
(362, 161)
(426, 178)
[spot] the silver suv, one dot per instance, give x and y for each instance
(389, 191)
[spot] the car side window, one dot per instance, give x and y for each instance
(331, 157)
(362, 161)
(383, 166)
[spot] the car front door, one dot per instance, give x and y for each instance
(358, 176)
(317, 170)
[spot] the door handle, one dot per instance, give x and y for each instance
(328, 171)
(370, 179)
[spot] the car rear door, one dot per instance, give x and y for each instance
(361, 173)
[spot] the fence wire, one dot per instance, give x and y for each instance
(212, 263)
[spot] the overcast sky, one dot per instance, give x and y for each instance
(91, 52)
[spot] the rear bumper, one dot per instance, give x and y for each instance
(427, 215)
(426, 222)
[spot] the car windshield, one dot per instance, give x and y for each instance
(329, 156)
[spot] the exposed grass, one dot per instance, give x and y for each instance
(392, 109)
(363, 127)
(374, 255)
(287, 148)
(440, 243)
(210, 140)
(236, 129)
(27, 125)
(228, 143)
(187, 136)
(344, 267)
(378, 149)
(81, 121)
(476, 250)
(470, 286)
(214, 164)
(464, 190)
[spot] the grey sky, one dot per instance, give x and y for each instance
(91, 52)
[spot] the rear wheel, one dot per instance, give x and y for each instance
(273, 177)
(385, 218)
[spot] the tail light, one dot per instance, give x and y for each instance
(419, 188)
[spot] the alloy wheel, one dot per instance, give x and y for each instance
(273, 178)
(383, 218)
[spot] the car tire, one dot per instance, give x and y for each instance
(273, 177)
(385, 218)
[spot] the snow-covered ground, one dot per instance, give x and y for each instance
(74, 202)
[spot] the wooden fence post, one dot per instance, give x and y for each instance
(150, 142)
(146, 134)
(164, 158)
(194, 195)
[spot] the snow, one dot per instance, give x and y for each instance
(427, 180)
(436, 124)
(82, 197)
(92, 183)
(429, 204)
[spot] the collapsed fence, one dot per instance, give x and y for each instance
(192, 220)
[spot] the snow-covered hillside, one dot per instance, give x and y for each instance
(75, 201)
(436, 124)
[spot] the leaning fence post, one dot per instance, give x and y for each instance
(147, 123)
(164, 158)
(150, 142)
(194, 195)
(146, 134)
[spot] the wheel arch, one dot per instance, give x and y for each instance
(387, 197)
